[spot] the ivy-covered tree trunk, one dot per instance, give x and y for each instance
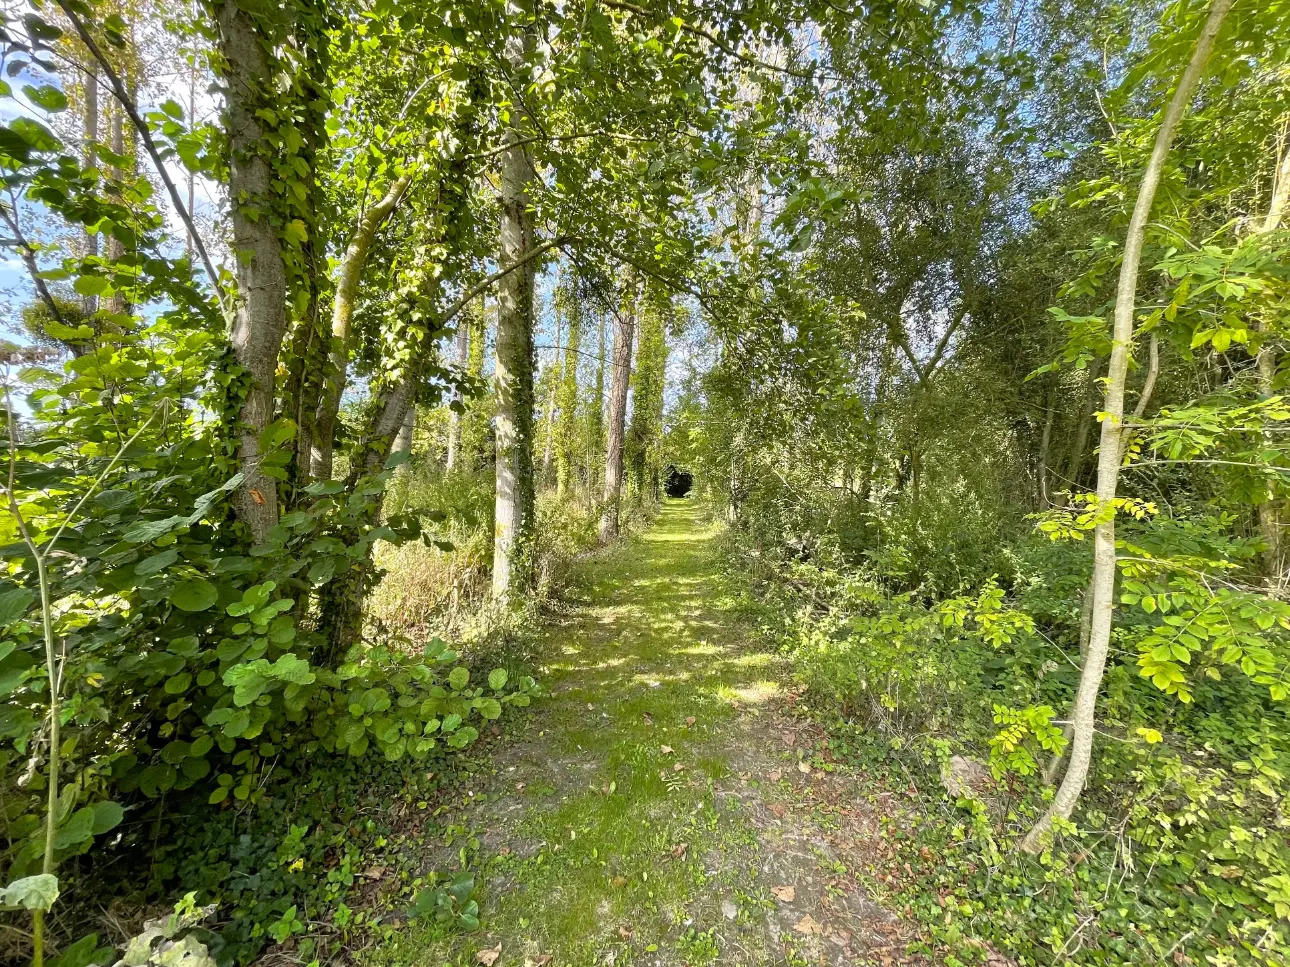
(557, 361)
(260, 313)
(1083, 713)
(513, 521)
(342, 316)
(620, 381)
(596, 419)
(566, 430)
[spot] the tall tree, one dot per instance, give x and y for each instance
(620, 383)
(513, 518)
(1102, 617)
(566, 428)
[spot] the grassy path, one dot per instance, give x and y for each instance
(659, 808)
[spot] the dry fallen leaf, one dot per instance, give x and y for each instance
(778, 810)
(785, 893)
(808, 926)
(625, 932)
(689, 721)
(519, 787)
(678, 767)
(789, 738)
(649, 719)
(541, 960)
(618, 882)
(489, 957)
(804, 767)
(666, 749)
(775, 775)
(679, 850)
(375, 873)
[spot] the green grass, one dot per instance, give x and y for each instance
(608, 848)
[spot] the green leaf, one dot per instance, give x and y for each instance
(14, 603)
(157, 562)
(107, 816)
(32, 892)
(459, 677)
(195, 594)
(78, 828)
(497, 679)
(92, 285)
(46, 96)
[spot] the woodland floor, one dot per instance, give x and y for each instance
(664, 805)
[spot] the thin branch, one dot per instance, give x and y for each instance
(471, 293)
(1153, 370)
(520, 142)
(132, 111)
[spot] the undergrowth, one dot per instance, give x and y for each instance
(1180, 851)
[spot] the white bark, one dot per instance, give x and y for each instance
(1108, 465)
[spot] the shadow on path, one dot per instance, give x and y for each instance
(660, 808)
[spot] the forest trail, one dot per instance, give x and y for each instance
(662, 807)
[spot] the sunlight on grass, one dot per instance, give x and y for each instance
(646, 669)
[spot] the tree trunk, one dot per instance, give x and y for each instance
(1045, 443)
(567, 403)
(596, 419)
(342, 315)
(260, 317)
(116, 303)
(90, 303)
(457, 403)
(624, 324)
(1269, 511)
(1075, 463)
(548, 452)
(1108, 466)
(403, 442)
(513, 522)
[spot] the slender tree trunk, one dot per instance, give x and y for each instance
(596, 420)
(1046, 442)
(624, 325)
(876, 418)
(1269, 510)
(342, 316)
(1108, 468)
(89, 154)
(548, 451)
(116, 303)
(567, 403)
(462, 345)
(259, 319)
(513, 520)
(1075, 463)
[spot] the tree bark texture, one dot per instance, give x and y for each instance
(259, 315)
(620, 381)
(513, 519)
